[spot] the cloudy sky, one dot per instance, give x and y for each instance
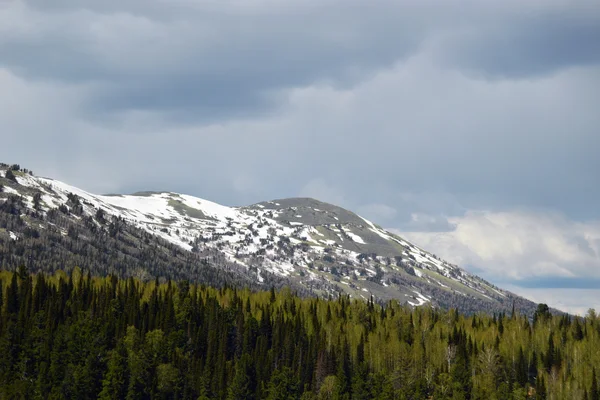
(471, 127)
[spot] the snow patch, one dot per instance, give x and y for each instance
(9, 190)
(355, 237)
(420, 299)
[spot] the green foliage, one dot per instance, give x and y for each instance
(87, 337)
(283, 385)
(114, 385)
(541, 313)
(243, 385)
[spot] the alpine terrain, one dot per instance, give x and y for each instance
(315, 248)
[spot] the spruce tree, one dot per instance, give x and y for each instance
(594, 390)
(521, 368)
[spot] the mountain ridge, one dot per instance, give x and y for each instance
(313, 246)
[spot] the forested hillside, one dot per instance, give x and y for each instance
(77, 336)
(316, 248)
(64, 237)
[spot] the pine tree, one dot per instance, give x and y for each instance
(533, 367)
(360, 382)
(12, 296)
(243, 385)
(550, 357)
(521, 368)
(344, 376)
(594, 390)
(460, 372)
(578, 331)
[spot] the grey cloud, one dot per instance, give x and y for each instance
(378, 212)
(214, 61)
(530, 45)
(213, 57)
(320, 189)
(416, 137)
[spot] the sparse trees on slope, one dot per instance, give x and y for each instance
(10, 175)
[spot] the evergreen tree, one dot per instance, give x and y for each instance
(115, 383)
(521, 368)
(243, 385)
(283, 385)
(80, 336)
(594, 392)
(550, 356)
(10, 175)
(542, 313)
(344, 377)
(533, 367)
(360, 382)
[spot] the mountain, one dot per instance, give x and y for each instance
(314, 247)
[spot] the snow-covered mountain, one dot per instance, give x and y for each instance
(318, 246)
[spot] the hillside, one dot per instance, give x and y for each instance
(314, 247)
(82, 337)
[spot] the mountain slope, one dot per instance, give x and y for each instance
(315, 247)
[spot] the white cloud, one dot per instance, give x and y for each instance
(518, 245)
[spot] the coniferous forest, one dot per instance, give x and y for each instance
(82, 337)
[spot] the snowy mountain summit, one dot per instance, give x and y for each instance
(316, 246)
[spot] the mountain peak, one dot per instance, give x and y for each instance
(319, 247)
(309, 211)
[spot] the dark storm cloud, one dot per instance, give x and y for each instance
(530, 45)
(219, 60)
(205, 56)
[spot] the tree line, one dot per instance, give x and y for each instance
(64, 237)
(79, 336)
